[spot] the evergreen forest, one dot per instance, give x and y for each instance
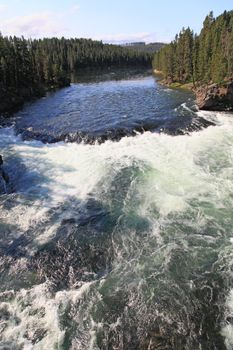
(200, 59)
(28, 68)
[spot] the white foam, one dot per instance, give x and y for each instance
(184, 105)
(227, 330)
(174, 171)
(36, 311)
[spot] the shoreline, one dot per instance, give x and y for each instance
(172, 85)
(209, 97)
(13, 101)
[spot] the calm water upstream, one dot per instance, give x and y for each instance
(117, 232)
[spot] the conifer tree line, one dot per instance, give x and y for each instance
(29, 67)
(203, 58)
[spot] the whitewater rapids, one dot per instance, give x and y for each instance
(154, 212)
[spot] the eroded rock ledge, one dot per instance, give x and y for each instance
(215, 97)
(209, 97)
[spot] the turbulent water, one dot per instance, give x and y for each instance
(122, 244)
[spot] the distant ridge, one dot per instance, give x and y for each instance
(142, 46)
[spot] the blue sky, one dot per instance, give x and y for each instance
(107, 20)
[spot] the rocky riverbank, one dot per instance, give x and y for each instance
(4, 178)
(215, 97)
(209, 97)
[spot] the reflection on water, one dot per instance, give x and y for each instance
(110, 74)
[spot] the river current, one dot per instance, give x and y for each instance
(117, 228)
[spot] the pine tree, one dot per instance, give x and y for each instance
(203, 58)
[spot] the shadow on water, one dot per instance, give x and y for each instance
(82, 241)
(152, 295)
(32, 180)
(78, 250)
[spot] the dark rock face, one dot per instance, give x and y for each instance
(4, 178)
(215, 97)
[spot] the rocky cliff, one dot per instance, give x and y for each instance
(215, 97)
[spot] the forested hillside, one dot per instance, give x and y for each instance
(30, 67)
(203, 58)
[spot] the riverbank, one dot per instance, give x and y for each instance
(12, 99)
(173, 85)
(215, 97)
(209, 97)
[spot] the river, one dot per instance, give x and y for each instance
(117, 229)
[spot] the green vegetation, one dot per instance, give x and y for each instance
(30, 67)
(203, 58)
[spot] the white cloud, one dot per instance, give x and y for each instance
(3, 7)
(75, 8)
(44, 24)
(124, 38)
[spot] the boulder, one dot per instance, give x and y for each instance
(4, 178)
(215, 97)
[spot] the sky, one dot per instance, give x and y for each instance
(115, 21)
